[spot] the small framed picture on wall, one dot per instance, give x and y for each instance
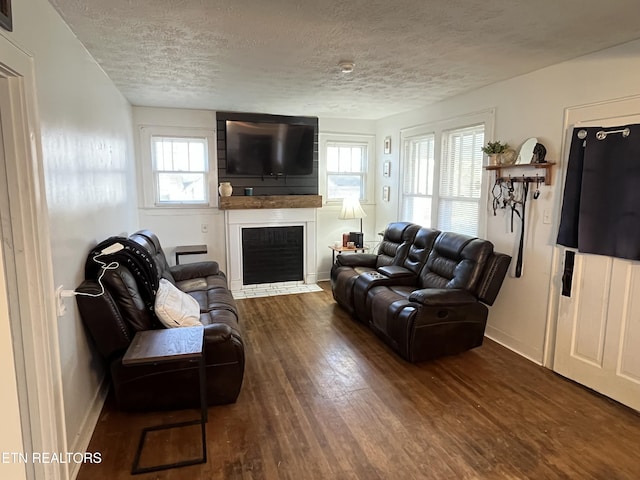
(6, 20)
(387, 145)
(386, 169)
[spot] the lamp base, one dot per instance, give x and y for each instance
(357, 238)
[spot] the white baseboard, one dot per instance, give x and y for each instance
(514, 345)
(324, 276)
(88, 425)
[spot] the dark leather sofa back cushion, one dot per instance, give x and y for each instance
(124, 290)
(149, 240)
(456, 261)
(132, 256)
(101, 315)
(420, 248)
(395, 243)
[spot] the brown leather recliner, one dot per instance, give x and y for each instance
(404, 274)
(443, 313)
(393, 250)
(114, 317)
(434, 303)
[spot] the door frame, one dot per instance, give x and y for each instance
(575, 116)
(29, 269)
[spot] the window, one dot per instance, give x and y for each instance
(418, 183)
(461, 180)
(346, 168)
(178, 167)
(442, 178)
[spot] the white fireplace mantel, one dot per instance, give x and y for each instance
(236, 220)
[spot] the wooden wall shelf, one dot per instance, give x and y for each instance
(512, 172)
(239, 202)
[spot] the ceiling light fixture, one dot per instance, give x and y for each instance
(346, 66)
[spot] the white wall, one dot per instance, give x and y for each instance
(531, 105)
(89, 174)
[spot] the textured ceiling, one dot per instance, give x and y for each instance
(281, 56)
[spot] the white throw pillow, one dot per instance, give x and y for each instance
(175, 308)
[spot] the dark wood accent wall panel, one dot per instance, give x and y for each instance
(291, 185)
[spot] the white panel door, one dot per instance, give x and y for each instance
(598, 330)
(598, 327)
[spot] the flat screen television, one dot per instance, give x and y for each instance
(269, 149)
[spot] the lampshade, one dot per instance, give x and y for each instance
(351, 209)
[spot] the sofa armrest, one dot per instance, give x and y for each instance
(395, 271)
(217, 333)
(440, 297)
(188, 271)
(357, 260)
(494, 273)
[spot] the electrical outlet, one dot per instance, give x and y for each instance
(546, 216)
(60, 307)
(204, 228)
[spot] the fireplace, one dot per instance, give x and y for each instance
(263, 227)
(272, 254)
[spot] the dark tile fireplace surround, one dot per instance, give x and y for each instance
(272, 254)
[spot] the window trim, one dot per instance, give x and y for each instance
(368, 169)
(439, 128)
(436, 174)
(148, 186)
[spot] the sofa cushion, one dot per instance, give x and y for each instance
(456, 261)
(202, 284)
(395, 244)
(150, 241)
(215, 299)
(175, 308)
(195, 270)
(124, 290)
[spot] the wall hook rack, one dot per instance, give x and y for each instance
(522, 179)
(501, 176)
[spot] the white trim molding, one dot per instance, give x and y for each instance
(30, 291)
(236, 220)
(146, 183)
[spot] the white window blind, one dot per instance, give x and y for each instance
(461, 180)
(346, 167)
(418, 180)
(180, 167)
(442, 188)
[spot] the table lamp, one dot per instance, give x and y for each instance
(351, 209)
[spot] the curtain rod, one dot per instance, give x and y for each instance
(601, 134)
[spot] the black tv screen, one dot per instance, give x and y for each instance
(265, 148)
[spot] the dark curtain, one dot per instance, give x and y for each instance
(601, 204)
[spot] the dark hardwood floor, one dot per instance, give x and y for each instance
(323, 398)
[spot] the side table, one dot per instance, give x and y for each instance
(188, 250)
(345, 249)
(152, 347)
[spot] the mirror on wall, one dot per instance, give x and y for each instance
(526, 151)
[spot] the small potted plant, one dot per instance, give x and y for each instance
(494, 150)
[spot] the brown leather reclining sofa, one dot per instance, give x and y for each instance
(114, 317)
(425, 292)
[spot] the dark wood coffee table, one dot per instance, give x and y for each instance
(152, 347)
